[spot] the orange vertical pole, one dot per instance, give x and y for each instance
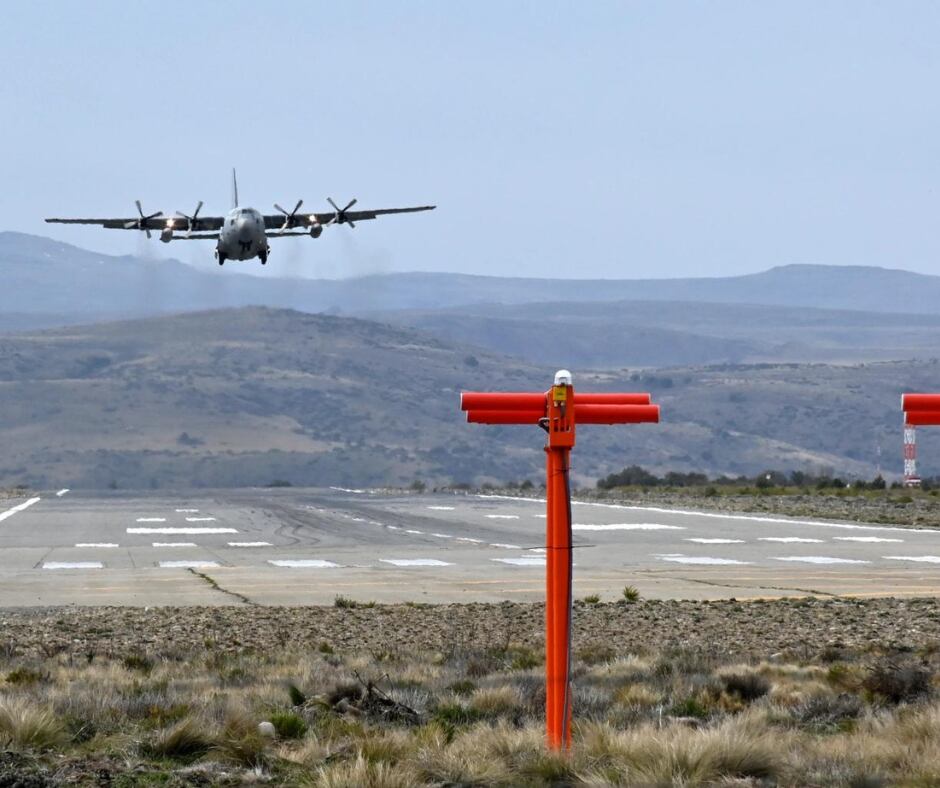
(558, 698)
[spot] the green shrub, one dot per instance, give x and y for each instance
(288, 725)
(631, 594)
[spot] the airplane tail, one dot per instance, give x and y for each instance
(234, 189)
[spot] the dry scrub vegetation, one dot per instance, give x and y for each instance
(468, 714)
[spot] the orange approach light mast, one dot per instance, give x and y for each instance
(558, 411)
(920, 410)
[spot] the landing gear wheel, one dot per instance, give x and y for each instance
(264, 259)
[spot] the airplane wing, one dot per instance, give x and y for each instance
(157, 222)
(285, 221)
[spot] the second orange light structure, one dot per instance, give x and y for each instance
(558, 411)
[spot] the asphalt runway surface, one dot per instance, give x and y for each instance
(308, 546)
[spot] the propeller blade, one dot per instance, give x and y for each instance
(147, 230)
(139, 209)
(280, 209)
(350, 224)
(297, 207)
(352, 202)
(335, 206)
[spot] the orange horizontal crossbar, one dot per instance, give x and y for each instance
(922, 418)
(526, 400)
(911, 402)
(503, 400)
(615, 414)
(505, 416)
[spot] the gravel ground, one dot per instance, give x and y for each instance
(799, 628)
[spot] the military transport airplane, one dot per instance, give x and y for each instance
(243, 233)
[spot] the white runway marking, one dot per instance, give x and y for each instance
(705, 560)
(97, 544)
(199, 519)
(151, 519)
(250, 544)
(719, 516)
(347, 490)
(174, 544)
(788, 539)
(413, 531)
(442, 508)
(820, 559)
(73, 565)
(304, 563)
(186, 511)
(443, 536)
(18, 508)
(469, 539)
(506, 546)
(188, 531)
(715, 541)
(524, 561)
(537, 550)
(393, 527)
(540, 516)
(926, 559)
(626, 527)
(62, 492)
(864, 539)
(502, 516)
(414, 562)
(188, 564)
(358, 519)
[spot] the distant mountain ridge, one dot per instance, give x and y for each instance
(56, 279)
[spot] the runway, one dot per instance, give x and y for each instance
(308, 546)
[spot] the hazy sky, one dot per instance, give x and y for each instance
(578, 139)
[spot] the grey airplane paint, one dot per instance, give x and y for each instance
(243, 233)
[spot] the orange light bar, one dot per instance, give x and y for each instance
(615, 414)
(911, 402)
(524, 400)
(502, 400)
(505, 416)
(922, 418)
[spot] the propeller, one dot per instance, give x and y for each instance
(191, 220)
(141, 223)
(290, 219)
(340, 216)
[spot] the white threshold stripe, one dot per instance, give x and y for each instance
(187, 531)
(175, 544)
(97, 544)
(250, 544)
(188, 564)
(442, 508)
(469, 539)
(819, 559)
(443, 536)
(864, 539)
(347, 490)
(199, 519)
(413, 531)
(502, 516)
(789, 539)
(626, 527)
(506, 546)
(678, 558)
(303, 563)
(414, 562)
(151, 519)
(62, 492)
(925, 559)
(524, 561)
(699, 540)
(186, 511)
(18, 508)
(719, 516)
(73, 565)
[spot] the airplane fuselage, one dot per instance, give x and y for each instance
(242, 236)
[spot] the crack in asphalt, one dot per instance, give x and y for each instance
(813, 591)
(215, 586)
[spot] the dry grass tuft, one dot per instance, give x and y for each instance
(187, 739)
(23, 725)
(362, 773)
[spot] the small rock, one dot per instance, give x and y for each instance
(266, 729)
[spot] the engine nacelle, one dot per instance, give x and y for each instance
(166, 235)
(315, 230)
